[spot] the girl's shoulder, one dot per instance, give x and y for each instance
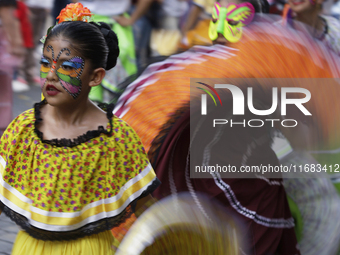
(22, 123)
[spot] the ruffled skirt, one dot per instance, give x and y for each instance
(97, 244)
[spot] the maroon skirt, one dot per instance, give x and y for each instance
(260, 203)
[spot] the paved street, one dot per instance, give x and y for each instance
(22, 101)
(8, 231)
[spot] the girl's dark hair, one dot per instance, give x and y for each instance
(95, 42)
(260, 6)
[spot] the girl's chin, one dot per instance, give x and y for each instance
(302, 7)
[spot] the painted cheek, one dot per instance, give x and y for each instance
(71, 84)
(70, 79)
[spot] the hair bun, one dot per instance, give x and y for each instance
(112, 43)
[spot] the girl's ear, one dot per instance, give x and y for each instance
(97, 77)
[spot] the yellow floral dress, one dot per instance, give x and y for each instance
(70, 193)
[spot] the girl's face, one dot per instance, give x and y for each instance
(63, 73)
(303, 6)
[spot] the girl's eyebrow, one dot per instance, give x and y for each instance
(46, 57)
(64, 60)
(72, 59)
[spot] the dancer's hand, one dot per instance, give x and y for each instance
(123, 21)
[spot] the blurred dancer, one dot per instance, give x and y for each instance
(322, 27)
(178, 225)
(158, 106)
(11, 47)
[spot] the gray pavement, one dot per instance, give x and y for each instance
(8, 230)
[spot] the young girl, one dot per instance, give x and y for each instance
(69, 170)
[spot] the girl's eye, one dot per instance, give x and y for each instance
(214, 20)
(67, 67)
(45, 63)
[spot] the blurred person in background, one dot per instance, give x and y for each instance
(106, 11)
(28, 72)
(309, 12)
(38, 11)
(195, 27)
(166, 38)
(144, 15)
(11, 50)
(58, 5)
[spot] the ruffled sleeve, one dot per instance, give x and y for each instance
(59, 192)
(131, 170)
(23, 123)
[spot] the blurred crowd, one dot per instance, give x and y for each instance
(147, 30)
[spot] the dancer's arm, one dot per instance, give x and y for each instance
(142, 7)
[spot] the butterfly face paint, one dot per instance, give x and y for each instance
(68, 72)
(229, 20)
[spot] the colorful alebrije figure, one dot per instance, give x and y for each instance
(68, 72)
(229, 20)
(72, 12)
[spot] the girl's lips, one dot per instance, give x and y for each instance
(51, 90)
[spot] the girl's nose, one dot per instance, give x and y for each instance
(52, 73)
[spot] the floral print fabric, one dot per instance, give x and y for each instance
(62, 188)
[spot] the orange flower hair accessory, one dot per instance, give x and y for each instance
(72, 12)
(75, 12)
